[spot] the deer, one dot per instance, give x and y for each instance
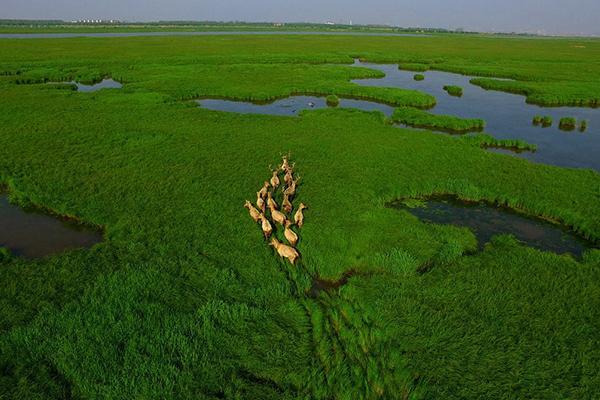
(270, 202)
(260, 203)
(287, 204)
(275, 182)
(290, 235)
(299, 217)
(291, 189)
(266, 226)
(285, 251)
(253, 211)
(287, 178)
(285, 166)
(278, 216)
(263, 191)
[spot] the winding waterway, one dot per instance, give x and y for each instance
(507, 115)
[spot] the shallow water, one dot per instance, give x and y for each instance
(106, 83)
(32, 234)
(506, 115)
(290, 105)
(486, 221)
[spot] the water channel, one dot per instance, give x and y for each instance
(32, 234)
(507, 115)
(105, 83)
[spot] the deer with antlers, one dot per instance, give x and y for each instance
(285, 251)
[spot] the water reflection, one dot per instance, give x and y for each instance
(506, 115)
(486, 221)
(31, 234)
(105, 83)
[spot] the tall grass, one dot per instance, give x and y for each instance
(415, 117)
(186, 300)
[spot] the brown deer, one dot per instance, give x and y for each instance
(285, 251)
(263, 191)
(253, 211)
(270, 202)
(286, 165)
(275, 182)
(287, 204)
(291, 189)
(287, 178)
(266, 226)
(290, 235)
(299, 217)
(278, 216)
(260, 203)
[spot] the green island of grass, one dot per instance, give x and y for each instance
(415, 117)
(454, 90)
(185, 298)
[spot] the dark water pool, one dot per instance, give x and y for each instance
(31, 234)
(106, 83)
(486, 220)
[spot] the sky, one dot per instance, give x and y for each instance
(546, 16)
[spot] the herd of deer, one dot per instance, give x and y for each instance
(264, 201)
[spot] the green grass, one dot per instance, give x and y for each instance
(419, 77)
(571, 121)
(415, 117)
(332, 98)
(185, 299)
(454, 90)
(484, 140)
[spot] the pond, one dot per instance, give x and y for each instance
(105, 83)
(31, 234)
(485, 221)
(507, 115)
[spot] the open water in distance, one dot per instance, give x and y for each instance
(32, 234)
(507, 115)
(106, 83)
(118, 34)
(486, 221)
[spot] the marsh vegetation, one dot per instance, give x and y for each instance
(185, 299)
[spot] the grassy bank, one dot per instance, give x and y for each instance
(185, 299)
(415, 117)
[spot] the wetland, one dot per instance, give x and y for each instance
(185, 298)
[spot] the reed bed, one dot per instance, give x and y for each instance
(185, 300)
(415, 117)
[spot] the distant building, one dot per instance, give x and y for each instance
(96, 21)
(329, 23)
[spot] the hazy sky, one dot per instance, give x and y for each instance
(552, 16)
